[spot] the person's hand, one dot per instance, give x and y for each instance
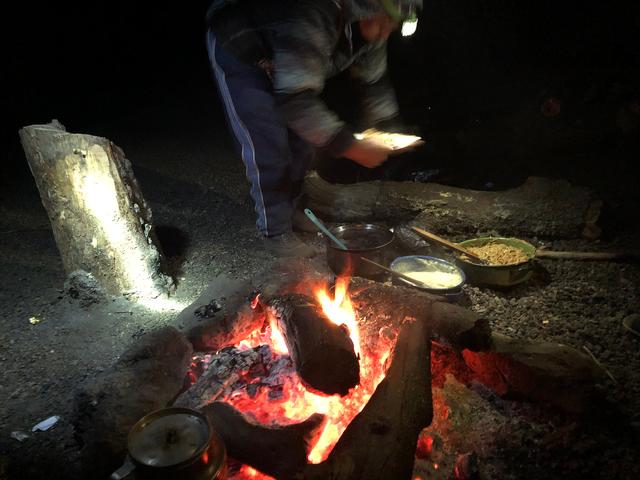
(368, 152)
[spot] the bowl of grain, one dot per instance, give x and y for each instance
(432, 274)
(508, 261)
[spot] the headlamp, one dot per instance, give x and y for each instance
(403, 12)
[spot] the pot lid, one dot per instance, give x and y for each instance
(169, 437)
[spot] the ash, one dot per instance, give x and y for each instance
(245, 372)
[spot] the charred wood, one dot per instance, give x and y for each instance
(380, 442)
(321, 351)
(276, 451)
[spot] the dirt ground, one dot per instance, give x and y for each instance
(200, 202)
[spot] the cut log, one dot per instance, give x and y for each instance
(539, 371)
(321, 351)
(380, 442)
(276, 451)
(379, 306)
(101, 222)
(540, 207)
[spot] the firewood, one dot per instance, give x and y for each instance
(540, 207)
(100, 220)
(276, 451)
(544, 372)
(222, 316)
(213, 381)
(380, 442)
(321, 351)
(379, 306)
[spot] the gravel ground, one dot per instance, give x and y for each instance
(204, 217)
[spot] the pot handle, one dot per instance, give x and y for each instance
(124, 471)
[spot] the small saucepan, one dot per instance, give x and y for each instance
(362, 240)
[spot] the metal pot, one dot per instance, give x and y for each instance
(173, 443)
(498, 276)
(362, 240)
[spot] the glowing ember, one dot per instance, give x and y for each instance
(246, 472)
(296, 404)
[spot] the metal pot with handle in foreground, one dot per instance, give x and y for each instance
(173, 443)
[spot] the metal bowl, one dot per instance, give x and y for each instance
(362, 240)
(421, 263)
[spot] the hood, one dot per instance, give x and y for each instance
(359, 9)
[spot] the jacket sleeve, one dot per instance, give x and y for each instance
(378, 101)
(301, 64)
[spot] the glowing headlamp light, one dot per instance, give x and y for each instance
(403, 12)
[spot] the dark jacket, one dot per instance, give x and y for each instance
(302, 43)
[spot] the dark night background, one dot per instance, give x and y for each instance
(474, 78)
(499, 89)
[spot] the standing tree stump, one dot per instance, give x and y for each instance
(100, 220)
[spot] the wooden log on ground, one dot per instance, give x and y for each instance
(379, 306)
(276, 451)
(540, 371)
(321, 351)
(380, 442)
(101, 222)
(540, 207)
(222, 315)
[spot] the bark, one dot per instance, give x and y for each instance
(321, 351)
(100, 220)
(540, 207)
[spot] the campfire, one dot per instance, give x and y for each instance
(272, 393)
(295, 368)
(308, 377)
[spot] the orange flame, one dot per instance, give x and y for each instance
(340, 310)
(297, 403)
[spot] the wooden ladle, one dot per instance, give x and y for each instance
(448, 244)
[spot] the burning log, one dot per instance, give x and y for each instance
(380, 306)
(321, 351)
(276, 451)
(380, 442)
(539, 207)
(100, 220)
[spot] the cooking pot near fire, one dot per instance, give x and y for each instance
(362, 240)
(173, 443)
